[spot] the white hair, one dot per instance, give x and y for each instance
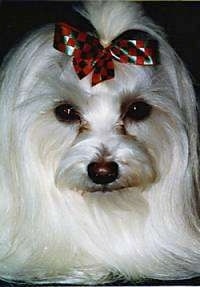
(52, 228)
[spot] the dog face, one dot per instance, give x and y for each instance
(95, 180)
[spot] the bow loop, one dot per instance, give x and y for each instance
(133, 46)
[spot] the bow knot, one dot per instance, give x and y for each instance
(89, 55)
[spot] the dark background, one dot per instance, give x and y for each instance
(180, 20)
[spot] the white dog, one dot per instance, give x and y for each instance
(99, 180)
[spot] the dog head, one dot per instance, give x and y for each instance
(96, 179)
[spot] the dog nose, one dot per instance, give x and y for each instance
(103, 172)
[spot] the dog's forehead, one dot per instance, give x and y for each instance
(128, 80)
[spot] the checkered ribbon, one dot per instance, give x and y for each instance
(89, 55)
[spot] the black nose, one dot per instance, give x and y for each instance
(103, 172)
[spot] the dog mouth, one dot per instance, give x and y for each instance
(103, 190)
(109, 188)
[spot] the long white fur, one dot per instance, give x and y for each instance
(53, 229)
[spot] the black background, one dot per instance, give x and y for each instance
(180, 20)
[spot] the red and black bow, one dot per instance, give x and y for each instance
(133, 46)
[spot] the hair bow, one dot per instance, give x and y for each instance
(133, 46)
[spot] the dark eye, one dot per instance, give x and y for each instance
(138, 111)
(67, 113)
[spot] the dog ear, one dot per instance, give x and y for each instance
(185, 96)
(190, 110)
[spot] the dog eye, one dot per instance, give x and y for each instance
(138, 111)
(67, 113)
